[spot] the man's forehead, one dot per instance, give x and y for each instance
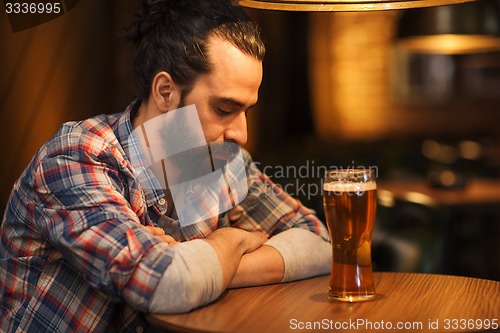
(217, 46)
(234, 77)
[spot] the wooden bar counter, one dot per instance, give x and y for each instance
(405, 302)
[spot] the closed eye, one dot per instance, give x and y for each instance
(223, 112)
(227, 106)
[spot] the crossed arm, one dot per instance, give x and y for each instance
(243, 259)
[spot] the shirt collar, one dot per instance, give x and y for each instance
(124, 132)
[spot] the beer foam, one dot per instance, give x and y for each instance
(350, 187)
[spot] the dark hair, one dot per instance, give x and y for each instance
(171, 36)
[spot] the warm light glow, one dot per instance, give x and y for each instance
(349, 73)
(451, 44)
(470, 150)
(418, 198)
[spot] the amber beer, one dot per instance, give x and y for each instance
(350, 202)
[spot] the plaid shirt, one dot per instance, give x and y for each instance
(73, 257)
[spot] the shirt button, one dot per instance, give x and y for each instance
(139, 329)
(161, 202)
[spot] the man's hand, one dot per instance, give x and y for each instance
(160, 233)
(262, 266)
(230, 244)
(245, 241)
(254, 240)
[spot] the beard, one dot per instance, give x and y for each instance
(199, 161)
(201, 158)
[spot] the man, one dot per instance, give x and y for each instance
(80, 243)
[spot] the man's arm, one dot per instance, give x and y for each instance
(230, 244)
(262, 266)
(299, 244)
(291, 255)
(202, 269)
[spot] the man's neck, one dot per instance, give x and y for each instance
(145, 112)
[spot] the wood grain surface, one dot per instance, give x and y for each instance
(405, 302)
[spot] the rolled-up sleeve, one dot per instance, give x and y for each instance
(193, 278)
(304, 254)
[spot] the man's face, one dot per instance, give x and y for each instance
(224, 96)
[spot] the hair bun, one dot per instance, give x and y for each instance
(152, 13)
(145, 19)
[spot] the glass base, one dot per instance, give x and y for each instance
(351, 298)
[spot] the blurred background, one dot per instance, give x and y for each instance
(339, 89)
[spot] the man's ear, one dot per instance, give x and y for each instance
(165, 93)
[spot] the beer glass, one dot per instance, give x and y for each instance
(350, 202)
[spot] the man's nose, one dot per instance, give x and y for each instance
(237, 130)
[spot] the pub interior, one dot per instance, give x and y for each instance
(339, 90)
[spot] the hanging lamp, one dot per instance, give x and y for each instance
(465, 28)
(343, 5)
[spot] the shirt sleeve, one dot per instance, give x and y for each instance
(83, 206)
(305, 254)
(194, 278)
(295, 230)
(269, 208)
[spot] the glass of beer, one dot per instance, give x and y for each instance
(350, 202)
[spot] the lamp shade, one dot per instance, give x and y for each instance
(464, 28)
(343, 5)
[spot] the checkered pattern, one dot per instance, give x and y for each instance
(73, 257)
